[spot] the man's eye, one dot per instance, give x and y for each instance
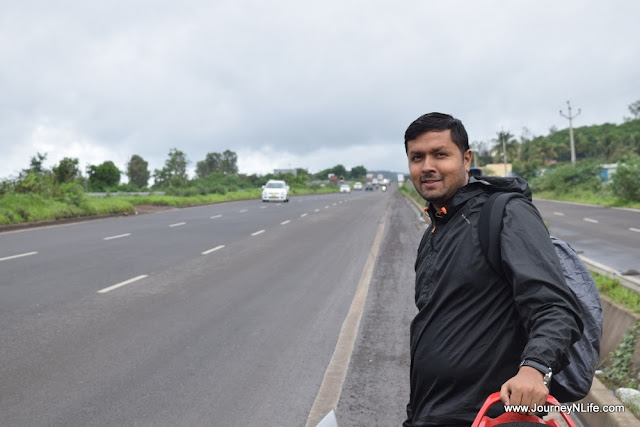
(415, 157)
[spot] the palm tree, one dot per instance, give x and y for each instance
(507, 146)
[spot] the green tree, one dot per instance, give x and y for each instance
(36, 164)
(209, 165)
(174, 173)
(339, 170)
(358, 172)
(481, 153)
(512, 146)
(103, 177)
(608, 146)
(67, 170)
(138, 171)
(229, 163)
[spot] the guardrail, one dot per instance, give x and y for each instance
(629, 282)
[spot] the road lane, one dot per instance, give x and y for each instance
(600, 233)
(239, 337)
(72, 259)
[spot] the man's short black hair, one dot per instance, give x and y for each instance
(438, 122)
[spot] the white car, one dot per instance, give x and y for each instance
(344, 188)
(357, 186)
(277, 191)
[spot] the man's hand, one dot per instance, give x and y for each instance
(526, 388)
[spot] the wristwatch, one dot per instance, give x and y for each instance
(545, 370)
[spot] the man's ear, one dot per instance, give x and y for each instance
(468, 155)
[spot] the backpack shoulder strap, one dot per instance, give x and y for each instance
(490, 227)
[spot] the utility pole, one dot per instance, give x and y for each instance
(503, 136)
(570, 117)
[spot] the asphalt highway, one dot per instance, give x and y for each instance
(610, 236)
(224, 314)
(227, 314)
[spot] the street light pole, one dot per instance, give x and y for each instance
(570, 117)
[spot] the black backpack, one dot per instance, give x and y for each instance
(574, 381)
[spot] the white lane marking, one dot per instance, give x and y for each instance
(126, 282)
(177, 224)
(558, 213)
(326, 207)
(118, 236)
(243, 210)
(285, 222)
(263, 207)
(215, 216)
(595, 221)
(17, 256)
(317, 210)
(334, 204)
(303, 215)
(257, 232)
(217, 248)
(637, 230)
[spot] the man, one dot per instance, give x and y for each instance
(479, 331)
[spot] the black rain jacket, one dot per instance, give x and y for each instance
(474, 327)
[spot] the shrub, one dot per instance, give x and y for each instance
(625, 183)
(566, 178)
(35, 183)
(71, 193)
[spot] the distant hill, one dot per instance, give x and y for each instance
(607, 142)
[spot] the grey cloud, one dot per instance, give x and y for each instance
(142, 77)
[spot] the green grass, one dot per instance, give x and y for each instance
(603, 198)
(16, 208)
(408, 189)
(618, 293)
(19, 208)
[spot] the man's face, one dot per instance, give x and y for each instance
(437, 166)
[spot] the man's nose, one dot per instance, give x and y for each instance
(427, 164)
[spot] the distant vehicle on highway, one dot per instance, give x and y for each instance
(357, 186)
(368, 187)
(274, 190)
(344, 188)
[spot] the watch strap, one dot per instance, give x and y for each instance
(544, 370)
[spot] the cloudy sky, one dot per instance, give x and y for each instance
(300, 84)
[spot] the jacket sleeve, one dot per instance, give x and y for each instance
(549, 310)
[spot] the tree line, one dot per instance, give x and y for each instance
(216, 173)
(530, 154)
(544, 161)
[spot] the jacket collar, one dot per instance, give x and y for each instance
(474, 188)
